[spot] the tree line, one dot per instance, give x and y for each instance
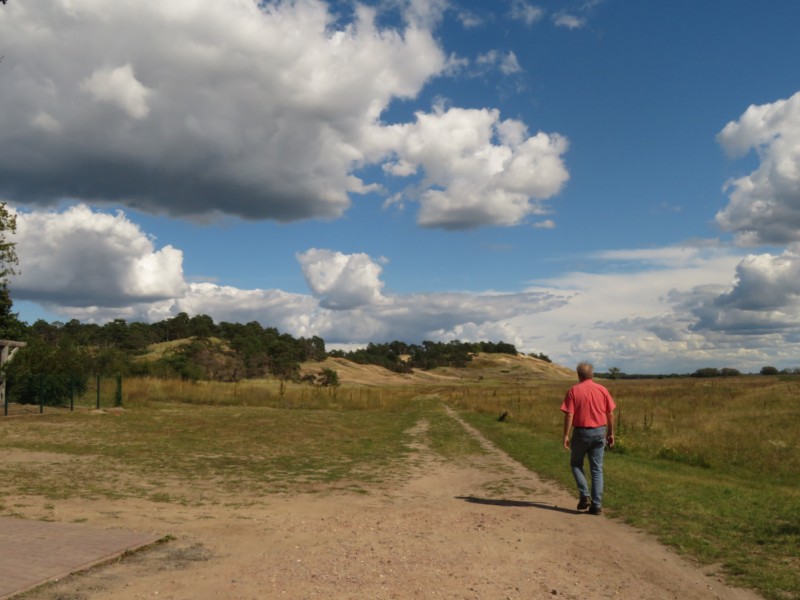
(616, 373)
(403, 358)
(60, 358)
(65, 355)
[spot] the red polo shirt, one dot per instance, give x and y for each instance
(589, 403)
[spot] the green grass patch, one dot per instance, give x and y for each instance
(445, 436)
(746, 522)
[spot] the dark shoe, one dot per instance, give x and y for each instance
(586, 502)
(595, 510)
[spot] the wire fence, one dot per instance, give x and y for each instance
(100, 392)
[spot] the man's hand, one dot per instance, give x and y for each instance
(610, 441)
(567, 428)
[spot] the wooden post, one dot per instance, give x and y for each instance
(118, 397)
(8, 349)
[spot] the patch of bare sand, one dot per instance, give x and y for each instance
(519, 368)
(485, 528)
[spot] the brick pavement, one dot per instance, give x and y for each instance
(35, 552)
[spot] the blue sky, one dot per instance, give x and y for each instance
(609, 181)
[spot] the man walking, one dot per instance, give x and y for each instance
(589, 410)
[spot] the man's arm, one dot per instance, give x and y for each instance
(610, 429)
(567, 427)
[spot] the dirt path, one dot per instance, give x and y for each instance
(485, 529)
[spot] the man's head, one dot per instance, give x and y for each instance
(585, 371)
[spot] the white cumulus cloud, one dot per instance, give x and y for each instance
(714, 309)
(634, 319)
(83, 258)
(766, 282)
(261, 110)
(764, 206)
(341, 281)
(478, 169)
(196, 107)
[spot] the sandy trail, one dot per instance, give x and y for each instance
(485, 528)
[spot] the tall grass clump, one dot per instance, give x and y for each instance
(711, 466)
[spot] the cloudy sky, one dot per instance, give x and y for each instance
(600, 179)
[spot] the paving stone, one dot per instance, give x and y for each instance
(35, 552)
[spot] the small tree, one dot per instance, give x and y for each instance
(184, 362)
(329, 378)
(769, 370)
(707, 372)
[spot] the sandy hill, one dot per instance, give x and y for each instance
(488, 368)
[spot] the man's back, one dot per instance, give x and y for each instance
(589, 403)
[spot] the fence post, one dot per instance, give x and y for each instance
(98, 391)
(41, 394)
(71, 396)
(8, 349)
(118, 400)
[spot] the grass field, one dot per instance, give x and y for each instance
(168, 450)
(708, 466)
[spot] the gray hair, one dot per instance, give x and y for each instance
(585, 371)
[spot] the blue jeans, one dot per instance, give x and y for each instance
(591, 442)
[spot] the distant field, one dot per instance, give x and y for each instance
(709, 466)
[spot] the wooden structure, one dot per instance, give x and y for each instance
(8, 349)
